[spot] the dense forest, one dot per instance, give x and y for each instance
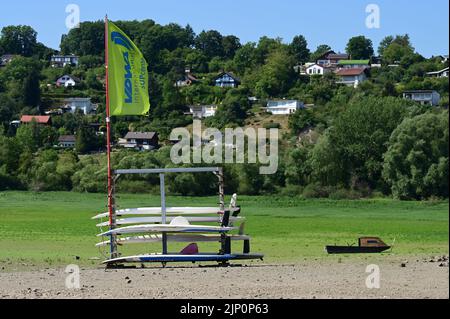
(361, 142)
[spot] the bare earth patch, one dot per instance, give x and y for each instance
(418, 278)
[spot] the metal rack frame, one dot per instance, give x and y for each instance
(218, 171)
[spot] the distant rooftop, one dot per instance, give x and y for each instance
(140, 135)
(353, 62)
(38, 119)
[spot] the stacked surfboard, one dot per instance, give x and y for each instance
(180, 224)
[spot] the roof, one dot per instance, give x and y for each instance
(419, 91)
(70, 76)
(315, 64)
(140, 135)
(337, 56)
(77, 99)
(350, 71)
(438, 72)
(353, 62)
(64, 56)
(67, 138)
(229, 74)
(325, 54)
(38, 119)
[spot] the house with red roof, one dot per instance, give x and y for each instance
(351, 76)
(43, 120)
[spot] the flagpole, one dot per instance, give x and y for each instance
(113, 246)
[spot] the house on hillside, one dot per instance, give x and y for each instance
(79, 103)
(227, 80)
(67, 81)
(351, 76)
(376, 62)
(283, 107)
(5, 59)
(187, 79)
(42, 120)
(439, 74)
(352, 64)
(202, 111)
(67, 141)
(142, 141)
(331, 58)
(60, 61)
(317, 69)
(424, 97)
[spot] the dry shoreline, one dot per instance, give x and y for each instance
(416, 278)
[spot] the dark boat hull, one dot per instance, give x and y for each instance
(355, 249)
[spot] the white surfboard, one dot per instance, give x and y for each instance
(149, 220)
(181, 238)
(183, 258)
(179, 211)
(178, 225)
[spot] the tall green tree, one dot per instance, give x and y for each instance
(19, 40)
(299, 48)
(210, 43)
(416, 165)
(277, 75)
(230, 44)
(360, 48)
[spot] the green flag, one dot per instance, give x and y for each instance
(127, 75)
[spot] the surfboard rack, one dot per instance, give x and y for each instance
(223, 257)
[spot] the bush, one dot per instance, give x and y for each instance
(272, 125)
(316, 190)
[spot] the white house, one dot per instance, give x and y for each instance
(60, 61)
(67, 81)
(439, 74)
(351, 77)
(227, 80)
(317, 69)
(424, 97)
(77, 103)
(203, 111)
(284, 107)
(67, 141)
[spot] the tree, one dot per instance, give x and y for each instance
(245, 58)
(88, 39)
(277, 75)
(416, 163)
(210, 43)
(21, 77)
(230, 45)
(86, 140)
(233, 110)
(384, 44)
(359, 138)
(393, 49)
(299, 48)
(19, 40)
(360, 48)
(321, 49)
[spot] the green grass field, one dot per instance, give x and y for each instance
(52, 228)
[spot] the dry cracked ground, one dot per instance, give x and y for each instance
(417, 277)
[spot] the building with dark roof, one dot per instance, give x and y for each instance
(140, 141)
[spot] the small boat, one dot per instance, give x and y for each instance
(366, 245)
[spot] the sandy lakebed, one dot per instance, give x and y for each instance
(400, 277)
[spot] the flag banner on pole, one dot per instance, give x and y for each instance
(127, 75)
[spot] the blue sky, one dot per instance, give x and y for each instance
(321, 22)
